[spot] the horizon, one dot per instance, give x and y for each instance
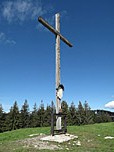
(27, 49)
(45, 106)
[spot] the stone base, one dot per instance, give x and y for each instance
(59, 138)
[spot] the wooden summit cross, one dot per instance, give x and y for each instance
(56, 31)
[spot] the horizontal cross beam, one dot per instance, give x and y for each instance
(46, 24)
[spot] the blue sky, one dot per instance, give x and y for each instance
(27, 52)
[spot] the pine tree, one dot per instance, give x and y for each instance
(12, 119)
(41, 112)
(8, 121)
(88, 117)
(24, 115)
(65, 110)
(53, 111)
(1, 119)
(47, 116)
(15, 116)
(34, 117)
(80, 114)
(64, 107)
(102, 116)
(53, 108)
(72, 114)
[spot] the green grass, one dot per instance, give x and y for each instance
(90, 136)
(22, 133)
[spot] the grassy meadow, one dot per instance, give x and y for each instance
(90, 136)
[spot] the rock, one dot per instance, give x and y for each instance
(89, 140)
(41, 134)
(35, 146)
(78, 143)
(108, 137)
(33, 135)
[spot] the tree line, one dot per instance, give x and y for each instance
(41, 116)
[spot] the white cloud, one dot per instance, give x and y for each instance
(7, 12)
(110, 105)
(21, 10)
(2, 36)
(12, 42)
(5, 40)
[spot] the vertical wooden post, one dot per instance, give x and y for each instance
(58, 103)
(59, 36)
